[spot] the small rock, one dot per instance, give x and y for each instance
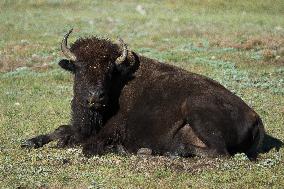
(91, 22)
(121, 150)
(141, 9)
(110, 19)
(175, 19)
(21, 68)
(24, 42)
(17, 104)
(144, 151)
(35, 56)
(278, 28)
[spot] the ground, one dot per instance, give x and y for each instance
(237, 43)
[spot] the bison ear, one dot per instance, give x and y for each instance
(67, 65)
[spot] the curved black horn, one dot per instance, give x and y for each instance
(66, 51)
(123, 56)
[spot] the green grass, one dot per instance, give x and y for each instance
(238, 43)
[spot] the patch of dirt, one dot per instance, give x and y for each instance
(271, 48)
(249, 43)
(7, 63)
(176, 164)
(14, 56)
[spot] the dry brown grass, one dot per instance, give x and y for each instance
(250, 42)
(175, 164)
(269, 47)
(14, 56)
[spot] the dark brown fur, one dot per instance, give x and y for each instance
(148, 104)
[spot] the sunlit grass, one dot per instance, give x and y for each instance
(237, 43)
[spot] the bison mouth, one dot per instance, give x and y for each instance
(96, 103)
(97, 106)
(93, 106)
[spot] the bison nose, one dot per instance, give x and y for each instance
(95, 96)
(101, 95)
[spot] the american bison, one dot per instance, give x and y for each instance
(124, 101)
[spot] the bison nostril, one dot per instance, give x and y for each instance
(101, 95)
(91, 99)
(91, 93)
(95, 97)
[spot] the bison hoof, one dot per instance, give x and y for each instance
(66, 142)
(36, 142)
(144, 151)
(121, 150)
(90, 150)
(31, 143)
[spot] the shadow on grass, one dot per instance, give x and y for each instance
(270, 142)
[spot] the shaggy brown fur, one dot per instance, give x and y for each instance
(95, 49)
(143, 103)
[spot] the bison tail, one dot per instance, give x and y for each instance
(258, 134)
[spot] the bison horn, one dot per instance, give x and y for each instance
(123, 56)
(66, 51)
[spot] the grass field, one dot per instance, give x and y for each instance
(238, 43)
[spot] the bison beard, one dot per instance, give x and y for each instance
(143, 103)
(86, 122)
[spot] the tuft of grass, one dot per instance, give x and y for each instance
(238, 43)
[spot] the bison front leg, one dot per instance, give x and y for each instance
(63, 133)
(108, 139)
(100, 147)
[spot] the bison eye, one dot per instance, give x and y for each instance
(67, 65)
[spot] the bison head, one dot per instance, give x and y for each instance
(93, 62)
